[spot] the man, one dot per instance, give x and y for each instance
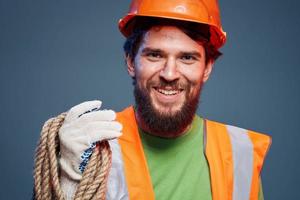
(166, 150)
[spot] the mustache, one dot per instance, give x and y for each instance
(175, 85)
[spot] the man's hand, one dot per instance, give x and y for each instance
(84, 125)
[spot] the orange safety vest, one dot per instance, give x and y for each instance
(235, 157)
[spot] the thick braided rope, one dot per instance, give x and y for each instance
(40, 174)
(46, 172)
(94, 187)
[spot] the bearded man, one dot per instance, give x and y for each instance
(166, 150)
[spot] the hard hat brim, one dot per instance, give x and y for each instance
(126, 26)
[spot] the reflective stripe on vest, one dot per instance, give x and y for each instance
(235, 157)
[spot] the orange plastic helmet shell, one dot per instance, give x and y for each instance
(199, 11)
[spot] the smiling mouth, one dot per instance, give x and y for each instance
(168, 91)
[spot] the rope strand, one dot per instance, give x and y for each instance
(46, 171)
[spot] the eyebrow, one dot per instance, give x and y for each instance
(155, 50)
(191, 53)
(148, 49)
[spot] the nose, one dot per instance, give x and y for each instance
(169, 71)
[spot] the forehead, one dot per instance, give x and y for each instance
(169, 36)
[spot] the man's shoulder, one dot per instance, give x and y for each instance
(229, 127)
(235, 134)
(126, 113)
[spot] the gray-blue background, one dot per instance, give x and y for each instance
(55, 54)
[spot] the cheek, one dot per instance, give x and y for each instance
(145, 71)
(193, 75)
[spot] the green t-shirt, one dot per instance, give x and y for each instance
(178, 167)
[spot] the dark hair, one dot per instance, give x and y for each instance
(196, 31)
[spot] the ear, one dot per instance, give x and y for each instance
(207, 71)
(130, 66)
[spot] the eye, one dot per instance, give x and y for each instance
(188, 59)
(154, 56)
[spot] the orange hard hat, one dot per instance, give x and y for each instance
(199, 11)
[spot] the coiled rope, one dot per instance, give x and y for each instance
(46, 172)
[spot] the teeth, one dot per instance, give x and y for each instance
(168, 92)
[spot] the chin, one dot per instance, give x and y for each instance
(164, 117)
(169, 110)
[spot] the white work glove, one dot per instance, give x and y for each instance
(84, 125)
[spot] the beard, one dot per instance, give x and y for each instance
(165, 124)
